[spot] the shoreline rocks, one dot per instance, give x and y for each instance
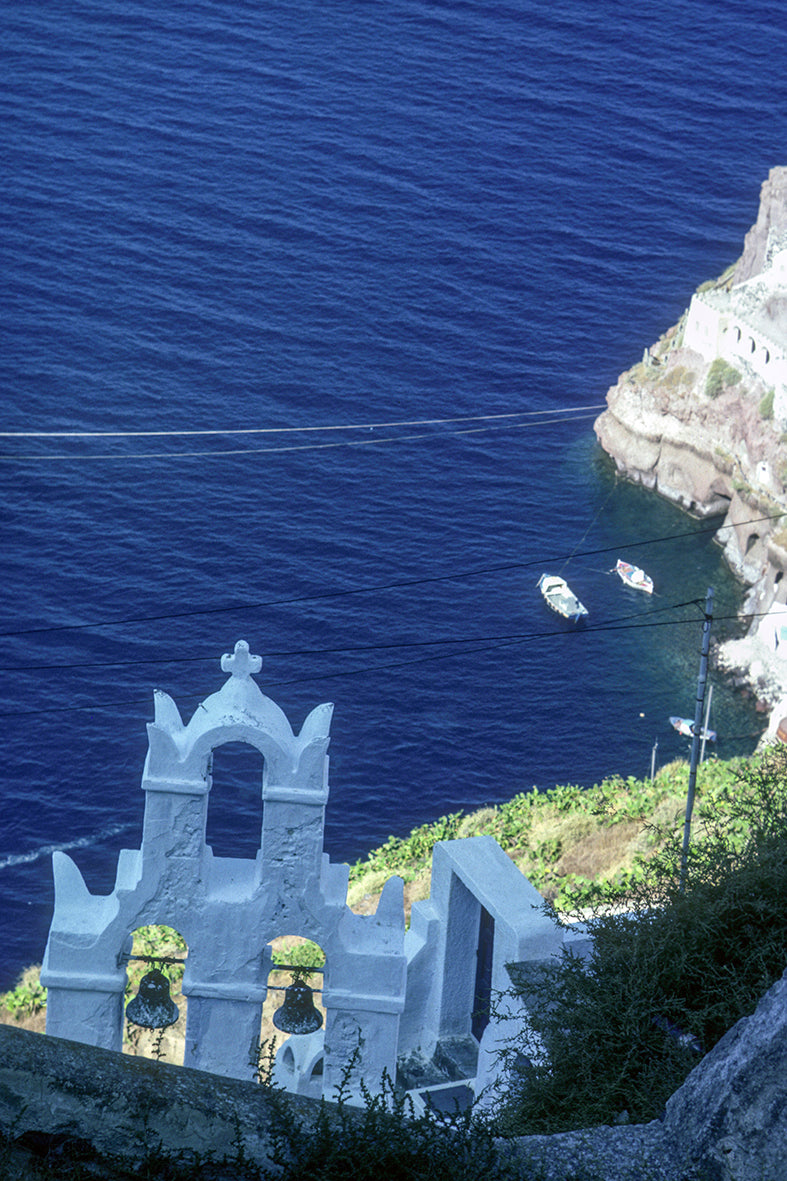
(753, 666)
(703, 435)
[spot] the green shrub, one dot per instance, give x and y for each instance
(721, 375)
(304, 954)
(27, 997)
(677, 377)
(620, 1031)
(766, 405)
(383, 1139)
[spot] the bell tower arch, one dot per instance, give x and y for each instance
(229, 908)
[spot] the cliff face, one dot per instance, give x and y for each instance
(772, 215)
(703, 435)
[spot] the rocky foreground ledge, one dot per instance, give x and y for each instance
(714, 446)
(65, 1104)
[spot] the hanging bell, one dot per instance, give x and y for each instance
(152, 1007)
(297, 1014)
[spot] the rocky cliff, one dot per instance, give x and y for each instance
(705, 436)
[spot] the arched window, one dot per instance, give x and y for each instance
(156, 948)
(234, 826)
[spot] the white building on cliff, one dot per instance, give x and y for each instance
(747, 325)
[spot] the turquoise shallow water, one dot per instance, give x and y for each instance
(405, 221)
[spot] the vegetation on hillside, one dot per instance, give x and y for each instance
(672, 968)
(573, 843)
(721, 376)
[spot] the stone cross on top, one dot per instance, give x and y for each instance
(239, 663)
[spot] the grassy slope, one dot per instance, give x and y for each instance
(564, 839)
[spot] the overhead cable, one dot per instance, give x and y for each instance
(499, 642)
(639, 618)
(288, 430)
(375, 442)
(375, 588)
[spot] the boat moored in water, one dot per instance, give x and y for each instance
(559, 597)
(634, 576)
(685, 726)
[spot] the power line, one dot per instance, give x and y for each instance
(345, 648)
(402, 584)
(505, 641)
(376, 442)
(276, 430)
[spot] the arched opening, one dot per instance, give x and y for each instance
(294, 1059)
(156, 948)
(751, 541)
(234, 827)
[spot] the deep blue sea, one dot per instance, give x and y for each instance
(307, 311)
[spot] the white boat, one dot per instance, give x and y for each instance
(634, 576)
(560, 598)
(685, 726)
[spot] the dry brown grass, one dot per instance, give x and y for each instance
(603, 852)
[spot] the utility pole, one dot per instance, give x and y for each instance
(696, 737)
(705, 727)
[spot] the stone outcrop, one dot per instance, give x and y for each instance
(714, 450)
(772, 216)
(125, 1107)
(730, 1115)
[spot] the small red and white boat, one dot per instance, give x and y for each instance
(634, 576)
